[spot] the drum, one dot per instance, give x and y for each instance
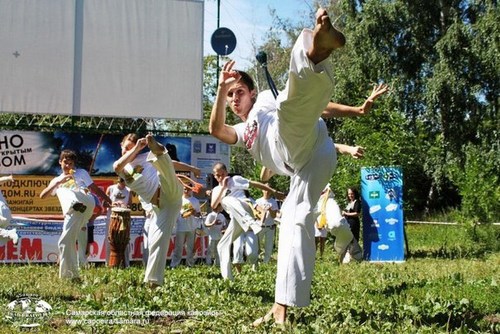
(118, 236)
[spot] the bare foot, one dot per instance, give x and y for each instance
(325, 38)
(277, 312)
(154, 146)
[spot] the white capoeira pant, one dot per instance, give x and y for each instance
(161, 218)
(73, 223)
(214, 231)
(241, 218)
(246, 244)
(183, 238)
(288, 137)
(310, 153)
(336, 224)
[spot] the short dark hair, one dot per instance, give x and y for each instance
(220, 165)
(247, 80)
(68, 154)
(133, 137)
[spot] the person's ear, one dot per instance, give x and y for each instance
(253, 93)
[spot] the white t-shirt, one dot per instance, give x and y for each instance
(190, 223)
(236, 186)
(257, 134)
(81, 180)
(215, 231)
(268, 203)
(144, 182)
(119, 195)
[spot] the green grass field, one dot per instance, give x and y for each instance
(448, 284)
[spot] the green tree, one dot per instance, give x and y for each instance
(441, 60)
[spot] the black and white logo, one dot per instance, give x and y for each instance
(28, 311)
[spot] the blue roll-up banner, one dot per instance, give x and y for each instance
(383, 229)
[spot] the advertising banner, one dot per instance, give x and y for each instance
(33, 159)
(206, 151)
(38, 241)
(382, 198)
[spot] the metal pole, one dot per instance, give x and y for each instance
(218, 57)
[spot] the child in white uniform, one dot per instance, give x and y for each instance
(230, 193)
(268, 207)
(72, 187)
(215, 222)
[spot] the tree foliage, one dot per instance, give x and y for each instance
(441, 60)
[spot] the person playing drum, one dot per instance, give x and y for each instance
(119, 237)
(121, 197)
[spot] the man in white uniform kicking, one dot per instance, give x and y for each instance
(151, 175)
(287, 136)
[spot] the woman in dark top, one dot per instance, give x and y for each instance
(353, 211)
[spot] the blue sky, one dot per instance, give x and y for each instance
(248, 20)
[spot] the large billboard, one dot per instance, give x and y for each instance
(115, 58)
(32, 157)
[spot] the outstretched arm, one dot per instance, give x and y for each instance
(106, 201)
(184, 167)
(356, 152)
(340, 110)
(278, 194)
(217, 126)
(265, 174)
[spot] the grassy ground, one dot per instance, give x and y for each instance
(449, 283)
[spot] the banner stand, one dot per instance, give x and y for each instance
(383, 225)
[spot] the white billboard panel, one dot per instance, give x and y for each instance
(117, 58)
(36, 56)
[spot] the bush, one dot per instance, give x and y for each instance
(478, 182)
